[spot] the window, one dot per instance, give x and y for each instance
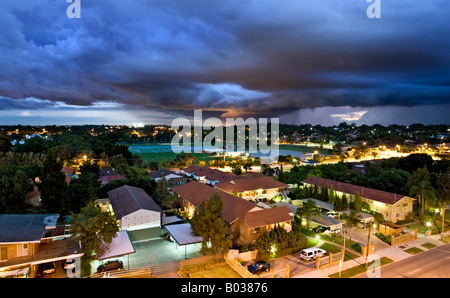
(3, 253)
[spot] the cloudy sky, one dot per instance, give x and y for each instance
(303, 61)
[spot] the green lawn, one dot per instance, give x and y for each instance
(335, 249)
(413, 250)
(359, 269)
(221, 271)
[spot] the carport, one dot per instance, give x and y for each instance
(321, 204)
(120, 245)
(329, 222)
(183, 235)
(366, 219)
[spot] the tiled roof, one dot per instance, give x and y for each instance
(128, 199)
(268, 216)
(233, 206)
(364, 192)
(247, 184)
(211, 174)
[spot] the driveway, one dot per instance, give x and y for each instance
(151, 249)
(297, 265)
(360, 235)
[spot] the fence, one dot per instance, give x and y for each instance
(403, 238)
(232, 261)
(157, 269)
(330, 260)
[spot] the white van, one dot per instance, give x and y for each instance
(312, 253)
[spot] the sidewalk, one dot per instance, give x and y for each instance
(395, 253)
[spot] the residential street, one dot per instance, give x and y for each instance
(432, 263)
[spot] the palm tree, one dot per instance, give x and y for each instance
(443, 196)
(309, 209)
(423, 191)
(352, 220)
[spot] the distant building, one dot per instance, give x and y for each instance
(172, 177)
(255, 188)
(392, 206)
(309, 162)
(208, 175)
(109, 174)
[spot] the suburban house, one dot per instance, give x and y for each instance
(107, 175)
(393, 207)
(28, 240)
(246, 220)
(68, 172)
(172, 177)
(208, 175)
(309, 162)
(255, 188)
(134, 208)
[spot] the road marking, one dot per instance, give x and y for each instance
(414, 271)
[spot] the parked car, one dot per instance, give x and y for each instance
(319, 229)
(258, 267)
(110, 266)
(333, 214)
(48, 268)
(336, 231)
(312, 253)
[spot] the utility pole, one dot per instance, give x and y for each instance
(368, 243)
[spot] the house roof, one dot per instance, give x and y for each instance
(260, 218)
(233, 206)
(211, 174)
(25, 227)
(108, 178)
(68, 172)
(246, 184)
(163, 173)
(364, 192)
(128, 199)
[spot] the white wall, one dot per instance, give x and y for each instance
(141, 219)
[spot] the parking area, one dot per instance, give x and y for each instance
(151, 249)
(297, 265)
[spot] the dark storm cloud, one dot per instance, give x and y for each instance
(254, 58)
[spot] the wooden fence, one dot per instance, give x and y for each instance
(157, 269)
(403, 238)
(232, 261)
(330, 260)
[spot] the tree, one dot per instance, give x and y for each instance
(90, 167)
(5, 144)
(309, 209)
(209, 224)
(443, 195)
(236, 169)
(14, 185)
(357, 203)
(92, 227)
(267, 170)
(352, 220)
(162, 190)
(53, 186)
(420, 187)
